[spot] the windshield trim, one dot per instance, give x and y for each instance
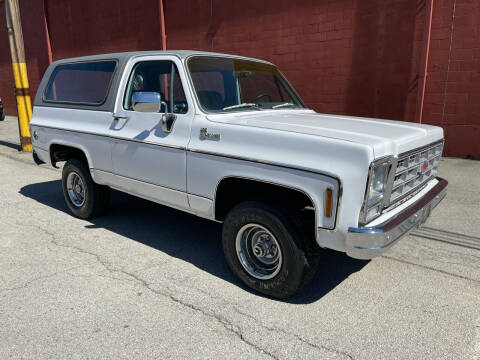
(227, 56)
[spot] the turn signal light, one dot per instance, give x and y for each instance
(328, 202)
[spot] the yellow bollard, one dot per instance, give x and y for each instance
(24, 106)
(19, 67)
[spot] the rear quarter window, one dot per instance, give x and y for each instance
(80, 83)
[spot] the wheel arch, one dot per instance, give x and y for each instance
(62, 151)
(219, 212)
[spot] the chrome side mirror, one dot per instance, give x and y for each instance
(146, 101)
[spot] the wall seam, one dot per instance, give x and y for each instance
(448, 70)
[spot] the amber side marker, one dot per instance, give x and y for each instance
(328, 202)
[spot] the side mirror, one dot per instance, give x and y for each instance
(146, 101)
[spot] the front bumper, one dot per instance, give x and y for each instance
(368, 242)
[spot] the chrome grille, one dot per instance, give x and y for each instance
(414, 169)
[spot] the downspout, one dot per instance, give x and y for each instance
(164, 46)
(424, 62)
(162, 25)
(47, 32)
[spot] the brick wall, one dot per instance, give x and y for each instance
(353, 57)
(453, 87)
(310, 41)
(76, 28)
(88, 27)
(6, 77)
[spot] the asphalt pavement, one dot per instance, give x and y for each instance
(149, 282)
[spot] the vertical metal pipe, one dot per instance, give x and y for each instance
(424, 63)
(164, 41)
(162, 25)
(19, 67)
(47, 32)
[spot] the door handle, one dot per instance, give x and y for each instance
(116, 118)
(117, 124)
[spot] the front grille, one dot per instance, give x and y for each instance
(414, 169)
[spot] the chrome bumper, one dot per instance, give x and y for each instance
(368, 242)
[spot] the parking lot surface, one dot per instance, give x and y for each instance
(149, 282)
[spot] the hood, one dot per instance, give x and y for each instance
(385, 137)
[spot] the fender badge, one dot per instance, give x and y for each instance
(205, 135)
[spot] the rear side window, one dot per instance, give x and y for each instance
(81, 83)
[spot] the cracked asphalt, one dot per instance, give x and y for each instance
(149, 282)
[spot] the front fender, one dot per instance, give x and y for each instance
(205, 171)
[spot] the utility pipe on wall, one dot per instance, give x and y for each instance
(164, 45)
(47, 32)
(424, 63)
(162, 25)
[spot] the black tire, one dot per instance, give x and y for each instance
(296, 269)
(96, 197)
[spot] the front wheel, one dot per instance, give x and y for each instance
(84, 198)
(264, 249)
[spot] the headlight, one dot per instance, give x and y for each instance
(377, 183)
(374, 196)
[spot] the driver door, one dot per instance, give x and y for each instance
(147, 160)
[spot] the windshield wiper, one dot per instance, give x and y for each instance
(242, 105)
(283, 105)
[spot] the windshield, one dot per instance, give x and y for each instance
(229, 84)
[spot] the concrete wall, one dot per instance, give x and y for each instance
(354, 57)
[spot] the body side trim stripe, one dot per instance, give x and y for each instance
(271, 163)
(113, 137)
(313, 171)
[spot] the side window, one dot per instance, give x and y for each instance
(84, 83)
(155, 76)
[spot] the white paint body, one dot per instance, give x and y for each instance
(299, 149)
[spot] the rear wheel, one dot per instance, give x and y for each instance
(84, 198)
(265, 249)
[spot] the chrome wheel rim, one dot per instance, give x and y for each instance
(258, 251)
(76, 189)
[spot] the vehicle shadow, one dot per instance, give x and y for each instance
(187, 237)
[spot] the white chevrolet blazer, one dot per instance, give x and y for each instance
(227, 138)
